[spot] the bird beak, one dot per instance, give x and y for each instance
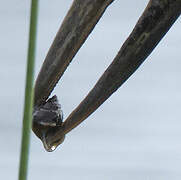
(50, 139)
(77, 25)
(46, 144)
(154, 23)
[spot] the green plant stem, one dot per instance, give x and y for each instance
(28, 103)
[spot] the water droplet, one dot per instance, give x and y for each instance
(53, 148)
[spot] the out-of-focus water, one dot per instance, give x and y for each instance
(136, 134)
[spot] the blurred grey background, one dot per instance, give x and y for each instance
(135, 134)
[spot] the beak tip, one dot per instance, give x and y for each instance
(52, 141)
(48, 148)
(46, 145)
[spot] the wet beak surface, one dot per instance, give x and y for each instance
(154, 23)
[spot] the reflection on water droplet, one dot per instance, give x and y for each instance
(53, 148)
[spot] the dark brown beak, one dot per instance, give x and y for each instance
(77, 25)
(154, 23)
